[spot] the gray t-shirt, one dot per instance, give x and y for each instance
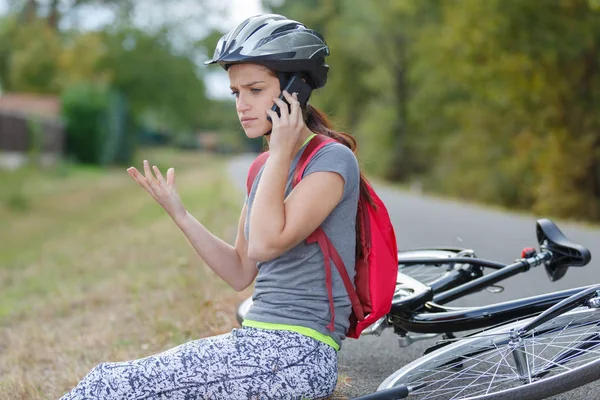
(290, 289)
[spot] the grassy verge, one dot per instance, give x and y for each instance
(92, 269)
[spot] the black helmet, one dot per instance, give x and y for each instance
(278, 43)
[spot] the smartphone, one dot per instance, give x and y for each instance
(297, 85)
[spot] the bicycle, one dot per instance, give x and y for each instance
(527, 348)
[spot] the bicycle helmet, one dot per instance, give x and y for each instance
(278, 43)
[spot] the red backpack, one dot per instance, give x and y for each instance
(376, 271)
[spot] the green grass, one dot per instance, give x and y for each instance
(92, 269)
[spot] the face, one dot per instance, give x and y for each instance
(254, 87)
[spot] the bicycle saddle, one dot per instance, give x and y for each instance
(565, 253)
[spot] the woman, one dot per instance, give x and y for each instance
(284, 349)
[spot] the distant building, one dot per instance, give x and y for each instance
(30, 104)
(20, 114)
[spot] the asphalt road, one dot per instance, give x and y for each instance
(422, 221)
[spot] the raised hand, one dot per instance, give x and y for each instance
(161, 190)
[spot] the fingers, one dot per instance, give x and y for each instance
(295, 110)
(159, 176)
(284, 110)
(147, 180)
(139, 178)
(290, 115)
(149, 177)
(274, 118)
(171, 177)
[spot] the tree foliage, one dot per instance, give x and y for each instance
(492, 100)
(155, 68)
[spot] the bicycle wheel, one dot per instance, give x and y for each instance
(554, 358)
(428, 273)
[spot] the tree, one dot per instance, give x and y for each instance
(490, 100)
(154, 65)
(368, 89)
(520, 86)
(33, 59)
(147, 68)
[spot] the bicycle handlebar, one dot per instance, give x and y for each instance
(463, 288)
(400, 392)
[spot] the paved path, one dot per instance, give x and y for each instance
(422, 221)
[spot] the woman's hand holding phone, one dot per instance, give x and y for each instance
(294, 85)
(287, 128)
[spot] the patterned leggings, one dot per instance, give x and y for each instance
(247, 363)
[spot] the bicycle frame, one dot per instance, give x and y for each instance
(477, 317)
(419, 308)
(407, 313)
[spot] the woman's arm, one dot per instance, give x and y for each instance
(278, 224)
(231, 263)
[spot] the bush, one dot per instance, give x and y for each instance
(98, 125)
(83, 107)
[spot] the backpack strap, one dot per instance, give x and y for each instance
(310, 150)
(254, 168)
(321, 239)
(339, 264)
(330, 253)
(319, 236)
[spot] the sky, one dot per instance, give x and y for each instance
(217, 82)
(238, 10)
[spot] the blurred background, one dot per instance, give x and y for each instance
(494, 101)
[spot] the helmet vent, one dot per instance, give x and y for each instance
(278, 43)
(285, 28)
(256, 30)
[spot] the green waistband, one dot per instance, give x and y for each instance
(294, 328)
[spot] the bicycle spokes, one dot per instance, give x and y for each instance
(498, 362)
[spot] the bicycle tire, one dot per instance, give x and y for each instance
(558, 370)
(425, 273)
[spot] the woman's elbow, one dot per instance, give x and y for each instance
(243, 280)
(240, 286)
(260, 253)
